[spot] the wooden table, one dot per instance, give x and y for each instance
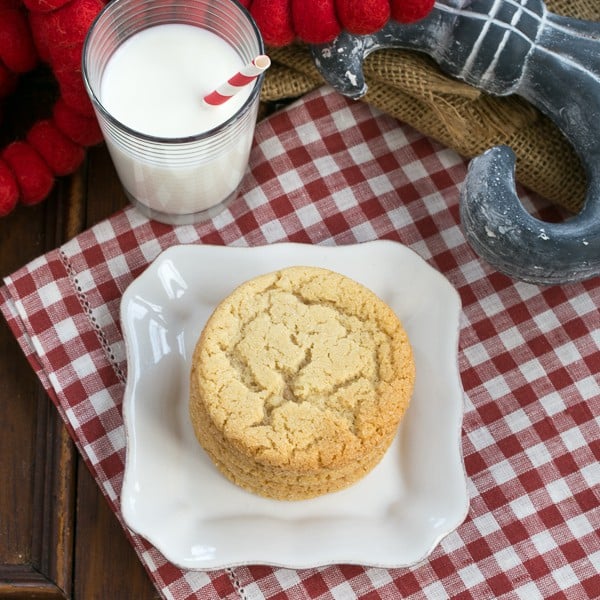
(58, 537)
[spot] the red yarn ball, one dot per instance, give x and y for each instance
(315, 21)
(274, 19)
(363, 16)
(82, 129)
(60, 33)
(61, 154)
(9, 190)
(33, 176)
(72, 91)
(408, 11)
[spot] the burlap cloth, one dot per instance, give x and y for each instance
(409, 86)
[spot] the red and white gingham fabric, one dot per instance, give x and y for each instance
(327, 170)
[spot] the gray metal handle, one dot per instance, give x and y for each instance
(507, 47)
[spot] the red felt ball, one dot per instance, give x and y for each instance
(9, 190)
(59, 34)
(315, 21)
(66, 56)
(83, 130)
(33, 176)
(37, 24)
(363, 16)
(408, 11)
(61, 154)
(72, 90)
(17, 50)
(274, 19)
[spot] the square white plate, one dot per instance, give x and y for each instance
(174, 497)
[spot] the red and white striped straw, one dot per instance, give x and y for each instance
(236, 83)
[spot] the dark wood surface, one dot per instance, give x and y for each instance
(58, 537)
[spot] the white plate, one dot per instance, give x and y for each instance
(174, 497)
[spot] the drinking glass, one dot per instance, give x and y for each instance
(176, 180)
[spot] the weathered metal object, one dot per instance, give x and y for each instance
(507, 47)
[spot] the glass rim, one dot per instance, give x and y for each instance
(162, 139)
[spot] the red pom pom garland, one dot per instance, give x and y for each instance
(53, 31)
(320, 21)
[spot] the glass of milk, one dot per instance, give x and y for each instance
(147, 65)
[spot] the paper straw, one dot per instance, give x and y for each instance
(233, 85)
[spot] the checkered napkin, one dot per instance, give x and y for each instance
(327, 170)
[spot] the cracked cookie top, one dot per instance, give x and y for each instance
(303, 367)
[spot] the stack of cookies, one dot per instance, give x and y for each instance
(298, 383)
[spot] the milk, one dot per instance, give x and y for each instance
(153, 84)
(155, 81)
